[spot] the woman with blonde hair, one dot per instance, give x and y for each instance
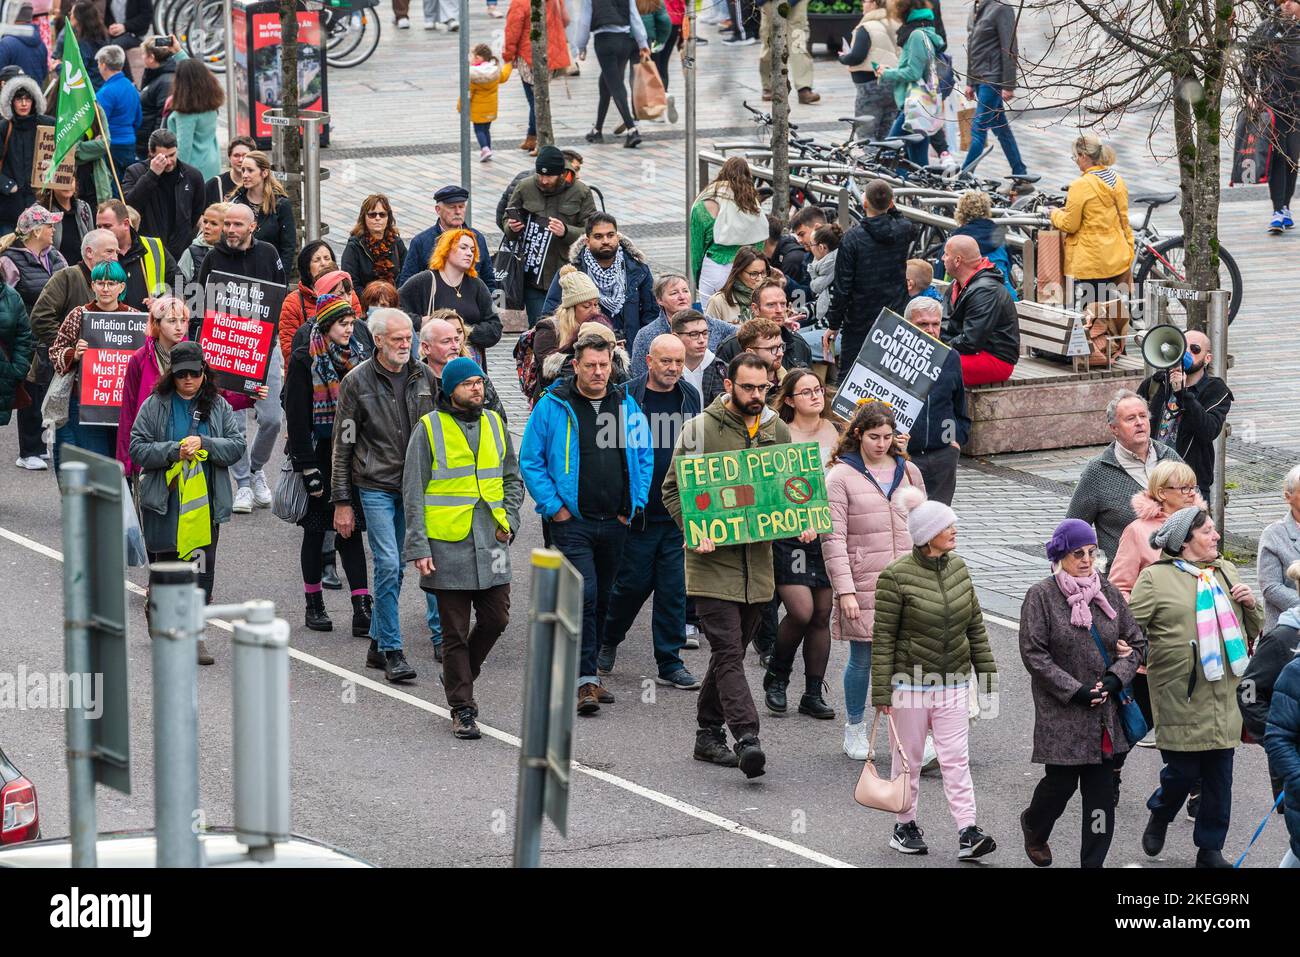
(974, 215)
(452, 282)
(272, 211)
(1099, 239)
(555, 334)
(725, 218)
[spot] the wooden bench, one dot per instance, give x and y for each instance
(1054, 330)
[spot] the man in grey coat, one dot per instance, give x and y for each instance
(1103, 497)
(462, 493)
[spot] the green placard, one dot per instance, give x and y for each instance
(753, 495)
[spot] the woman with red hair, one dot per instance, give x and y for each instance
(451, 282)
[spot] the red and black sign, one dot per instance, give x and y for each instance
(111, 338)
(239, 322)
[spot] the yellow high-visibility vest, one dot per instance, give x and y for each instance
(462, 478)
(155, 265)
(194, 524)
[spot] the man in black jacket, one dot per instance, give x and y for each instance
(991, 79)
(870, 272)
(980, 320)
(1188, 409)
(239, 253)
(167, 193)
(768, 302)
(942, 426)
(1272, 68)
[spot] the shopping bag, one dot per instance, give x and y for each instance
(1049, 250)
(965, 119)
(54, 408)
(649, 99)
(1252, 147)
(289, 500)
(136, 556)
(508, 268)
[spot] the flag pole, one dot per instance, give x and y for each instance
(103, 128)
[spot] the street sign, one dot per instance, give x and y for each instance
(564, 678)
(103, 562)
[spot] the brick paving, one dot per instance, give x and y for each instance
(396, 130)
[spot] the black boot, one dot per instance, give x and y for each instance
(374, 657)
(749, 755)
(1208, 857)
(317, 619)
(775, 685)
(711, 746)
(361, 609)
(329, 576)
(1153, 838)
(814, 705)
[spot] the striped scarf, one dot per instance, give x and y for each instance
(1214, 616)
(330, 362)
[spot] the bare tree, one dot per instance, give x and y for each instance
(778, 82)
(541, 74)
(1108, 59)
(289, 105)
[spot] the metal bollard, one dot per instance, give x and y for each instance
(74, 486)
(530, 803)
(1217, 330)
(175, 623)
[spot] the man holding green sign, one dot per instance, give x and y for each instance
(768, 489)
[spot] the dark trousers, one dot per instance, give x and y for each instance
(614, 51)
(532, 109)
(1096, 783)
(312, 558)
(1282, 168)
(728, 627)
(939, 472)
(464, 649)
(534, 301)
(653, 562)
(1178, 778)
(29, 422)
(207, 562)
(850, 346)
(661, 58)
(765, 637)
(595, 548)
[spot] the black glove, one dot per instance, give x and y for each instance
(1111, 684)
(1085, 696)
(313, 481)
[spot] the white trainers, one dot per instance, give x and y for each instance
(494, 13)
(857, 745)
(403, 23)
(33, 463)
(672, 109)
(485, 154)
(1149, 741)
(243, 503)
(261, 491)
(452, 25)
(434, 26)
(930, 761)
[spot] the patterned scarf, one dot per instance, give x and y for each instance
(330, 362)
(1214, 616)
(162, 358)
(611, 282)
(742, 295)
(1080, 593)
(381, 256)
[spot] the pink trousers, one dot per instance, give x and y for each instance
(945, 714)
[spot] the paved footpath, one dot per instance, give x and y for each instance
(375, 768)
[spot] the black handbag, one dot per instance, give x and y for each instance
(508, 268)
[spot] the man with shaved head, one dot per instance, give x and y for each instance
(1188, 407)
(654, 559)
(440, 342)
(979, 315)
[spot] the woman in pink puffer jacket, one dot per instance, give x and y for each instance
(870, 487)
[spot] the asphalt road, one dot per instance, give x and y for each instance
(376, 770)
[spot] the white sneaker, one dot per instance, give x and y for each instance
(494, 13)
(1149, 741)
(435, 26)
(261, 491)
(485, 154)
(243, 500)
(930, 760)
(452, 25)
(857, 745)
(403, 23)
(33, 463)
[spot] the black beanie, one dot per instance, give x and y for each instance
(550, 161)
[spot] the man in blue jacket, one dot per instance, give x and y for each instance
(654, 560)
(25, 50)
(587, 462)
(942, 426)
(449, 203)
(120, 101)
(619, 271)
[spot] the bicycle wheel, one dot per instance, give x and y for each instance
(205, 38)
(1166, 261)
(357, 41)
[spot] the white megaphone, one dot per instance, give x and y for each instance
(1164, 347)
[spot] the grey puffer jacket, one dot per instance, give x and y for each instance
(154, 451)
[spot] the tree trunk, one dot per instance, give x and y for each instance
(779, 80)
(541, 75)
(289, 104)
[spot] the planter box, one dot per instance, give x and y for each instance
(830, 28)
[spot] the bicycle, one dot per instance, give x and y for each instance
(350, 30)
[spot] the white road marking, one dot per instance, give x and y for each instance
(658, 797)
(1004, 622)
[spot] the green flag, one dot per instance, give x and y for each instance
(76, 103)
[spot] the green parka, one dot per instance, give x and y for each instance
(571, 202)
(1164, 604)
(15, 348)
(741, 573)
(928, 619)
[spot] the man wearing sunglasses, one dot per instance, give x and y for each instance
(1188, 408)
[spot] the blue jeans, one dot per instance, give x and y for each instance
(1181, 772)
(483, 133)
(101, 439)
(532, 112)
(386, 531)
(653, 561)
(595, 548)
(918, 153)
(534, 301)
(991, 114)
(857, 680)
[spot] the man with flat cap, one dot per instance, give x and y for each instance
(556, 194)
(449, 202)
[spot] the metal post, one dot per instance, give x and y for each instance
(529, 806)
(464, 107)
(229, 18)
(1218, 332)
(1154, 311)
(692, 183)
(311, 177)
(175, 622)
(76, 655)
(260, 710)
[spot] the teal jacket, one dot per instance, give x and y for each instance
(913, 61)
(196, 141)
(657, 27)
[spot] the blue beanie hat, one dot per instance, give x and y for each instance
(1071, 534)
(457, 371)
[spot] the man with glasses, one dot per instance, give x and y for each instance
(769, 301)
(760, 336)
(731, 584)
(1188, 407)
(692, 327)
(942, 426)
(449, 203)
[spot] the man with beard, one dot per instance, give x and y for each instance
(731, 584)
(461, 456)
(1188, 409)
(555, 195)
(379, 404)
(449, 203)
(619, 271)
(167, 193)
